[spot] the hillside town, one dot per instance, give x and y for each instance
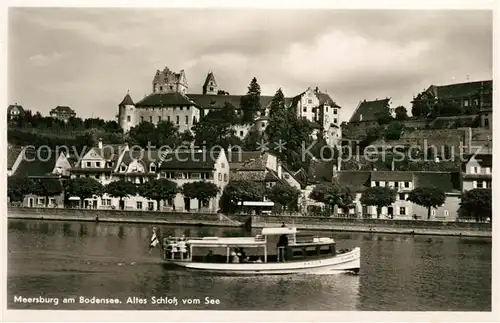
(214, 152)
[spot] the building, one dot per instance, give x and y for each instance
(320, 109)
(190, 166)
(366, 112)
(472, 97)
(14, 112)
(170, 101)
(476, 171)
(404, 183)
(62, 113)
(39, 164)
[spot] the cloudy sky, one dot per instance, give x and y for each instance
(89, 58)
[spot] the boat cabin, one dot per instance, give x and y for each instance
(271, 245)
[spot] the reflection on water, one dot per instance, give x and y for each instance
(398, 272)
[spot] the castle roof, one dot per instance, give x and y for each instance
(127, 100)
(368, 110)
(165, 100)
(210, 77)
(460, 89)
(217, 101)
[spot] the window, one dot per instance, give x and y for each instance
(466, 103)
(396, 184)
(407, 184)
(488, 170)
(286, 176)
(474, 170)
(151, 119)
(97, 176)
(161, 88)
(220, 176)
(139, 205)
(334, 111)
(488, 184)
(177, 120)
(402, 210)
(326, 109)
(152, 168)
(97, 164)
(474, 184)
(476, 102)
(334, 120)
(142, 119)
(128, 118)
(181, 108)
(304, 109)
(211, 88)
(377, 184)
(159, 118)
(187, 120)
(41, 200)
(309, 101)
(168, 118)
(151, 205)
(402, 197)
(446, 213)
(123, 168)
(433, 212)
(241, 133)
(222, 165)
(479, 184)
(171, 87)
(225, 177)
(89, 164)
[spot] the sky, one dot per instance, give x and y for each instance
(87, 58)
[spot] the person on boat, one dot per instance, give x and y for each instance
(182, 247)
(282, 244)
(259, 260)
(210, 256)
(242, 254)
(283, 225)
(235, 259)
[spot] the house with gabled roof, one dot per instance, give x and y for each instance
(476, 171)
(62, 112)
(15, 111)
(403, 182)
(191, 166)
(39, 164)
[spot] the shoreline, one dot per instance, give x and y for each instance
(223, 222)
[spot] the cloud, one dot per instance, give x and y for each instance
(88, 58)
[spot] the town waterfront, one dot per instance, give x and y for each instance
(57, 259)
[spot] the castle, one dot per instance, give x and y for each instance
(170, 101)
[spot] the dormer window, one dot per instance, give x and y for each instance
(152, 168)
(123, 168)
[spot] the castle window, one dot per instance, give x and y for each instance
(151, 119)
(171, 87)
(334, 111)
(187, 120)
(211, 88)
(159, 118)
(142, 119)
(310, 101)
(466, 103)
(168, 118)
(177, 120)
(161, 88)
(305, 109)
(326, 109)
(334, 120)
(128, 118)
(181, 108)
(241, 133)
(402, 210)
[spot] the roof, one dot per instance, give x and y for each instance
(208, 101)
(165, 100)
(447, 182)
(110, 151)
(229, 241)
(62, 109)
(366, 110)
(395, 176)
(320, 171)
(355, 180)
(146, 156)
(325, 98)
(238, 159)
(461, 89)
(210, 77)
(12, 106)
(166, 76)
(248, 175)
(127, 100)
(278, 231)
(189, 160)
(484, 160)
(37, 163)
(12, 154)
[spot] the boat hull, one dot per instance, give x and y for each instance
(346, 262)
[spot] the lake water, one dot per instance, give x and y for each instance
(398, 272)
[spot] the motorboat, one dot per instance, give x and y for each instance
(261, 255)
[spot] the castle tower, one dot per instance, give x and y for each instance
(210, 86)
(126, 113)
(167, 81)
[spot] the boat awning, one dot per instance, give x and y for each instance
(74, 198)
(276, 231)
(227, 242)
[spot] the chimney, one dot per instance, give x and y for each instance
(99, 143)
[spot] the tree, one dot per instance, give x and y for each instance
(121, 189)
(83, 187)
(252, 140)
(250, 103)
(158, 190)
(332, 194)
(240, 191)
(429, 197)
(202, 191)
(47, 187)
(285, 195)
(401, 113)
(384, 116)
(165, 134)
(277, 103)
(421, 106)
(447, 108)
(477, 202)
(394, 130)
(216, 128)
(142, 134)
(18, 187)
(378, 197)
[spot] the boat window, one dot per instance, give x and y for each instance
(311, 251)
(323, 250)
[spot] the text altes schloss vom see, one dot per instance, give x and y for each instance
(154, 300)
